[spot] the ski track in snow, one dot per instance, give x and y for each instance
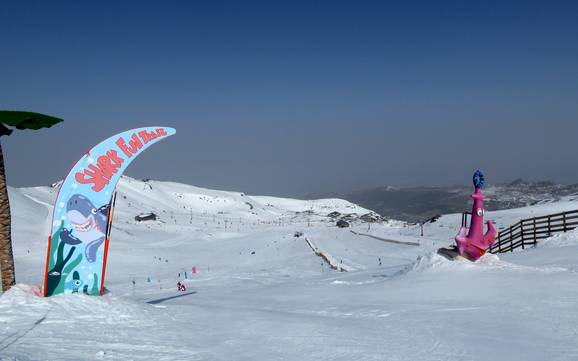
(260, 293)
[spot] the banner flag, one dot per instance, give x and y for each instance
(78, 241)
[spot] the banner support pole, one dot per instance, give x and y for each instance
(106, 241)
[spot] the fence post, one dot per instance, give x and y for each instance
(564, 221)
(500, 242)
(465, 219)
(549, 225)
(511, 241)
(535, 240)
(522, 233)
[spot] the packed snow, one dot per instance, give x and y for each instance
(274, 279)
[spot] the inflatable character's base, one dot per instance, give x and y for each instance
(452, 254)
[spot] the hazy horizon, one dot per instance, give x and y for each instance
(298, 98)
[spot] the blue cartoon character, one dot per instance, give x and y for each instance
(75, 283)
(88, 225)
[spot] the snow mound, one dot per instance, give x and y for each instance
(560, 240)
(23, 302)
(108, 327)
(433, 262)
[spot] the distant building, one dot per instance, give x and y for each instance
(146, 217)
(350, 217)
(334, 215)
(370, 217)
(342, 224)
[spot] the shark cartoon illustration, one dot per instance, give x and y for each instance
(88, 225)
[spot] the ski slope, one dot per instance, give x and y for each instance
(260, 293)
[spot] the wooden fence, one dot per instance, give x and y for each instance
(527, 232)
(465, 216)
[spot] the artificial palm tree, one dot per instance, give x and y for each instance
(8, 120)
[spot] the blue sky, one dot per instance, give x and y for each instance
(291, 98)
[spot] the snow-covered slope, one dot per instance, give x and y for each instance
(261, 293)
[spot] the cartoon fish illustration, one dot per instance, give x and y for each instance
(75, 283)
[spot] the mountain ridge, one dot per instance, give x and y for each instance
(415, 204)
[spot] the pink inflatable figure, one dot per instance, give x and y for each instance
(474, 243)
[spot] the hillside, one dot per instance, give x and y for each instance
(262, 293)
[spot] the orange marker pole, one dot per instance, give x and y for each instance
(46, 270)
(104, 266)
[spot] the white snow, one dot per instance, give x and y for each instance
(561, 240)
(262, 294)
